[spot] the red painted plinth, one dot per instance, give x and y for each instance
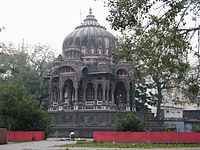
(2, 136)
(146, 137)
(16, 136)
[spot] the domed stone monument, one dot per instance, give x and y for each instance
(87, 85)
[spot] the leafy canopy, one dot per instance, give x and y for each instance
(129, 123)
(155, 38)
(29, 62)
(20, 110)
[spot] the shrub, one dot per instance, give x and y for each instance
(130, 123)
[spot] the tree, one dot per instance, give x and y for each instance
(143, 97)
(129, 123)
(20, 110)
(157, 42)
(28, 62)
(127, 14)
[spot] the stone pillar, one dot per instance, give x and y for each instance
(112, 93)
(104, 94)
(76, 95)
(58, 94)
(61, 92)
(127, 97)
(95, 95)
(76, 99)
(84, 95)
(75, 83)
(133, 99)
(84, 92)
(107, 94)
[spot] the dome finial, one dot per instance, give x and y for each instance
(90, 11)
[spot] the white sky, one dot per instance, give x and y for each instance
(46, 21)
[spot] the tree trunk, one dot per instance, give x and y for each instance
(159, 98)
(9, 127)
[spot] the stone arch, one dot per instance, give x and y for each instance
(90, 93)
(99, 92)
(120, 93)
(84, 70)
(61, 69)
(67, 69)
(55, 80)
(68, 92)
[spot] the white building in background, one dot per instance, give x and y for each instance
(177, 111)
(175, 98)
(174, 102)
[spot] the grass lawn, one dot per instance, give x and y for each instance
(126, 145)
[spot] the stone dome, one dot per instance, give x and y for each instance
(90, 38)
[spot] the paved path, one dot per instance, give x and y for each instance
(37, 145)
(48, 145)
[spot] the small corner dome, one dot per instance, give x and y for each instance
(90, 34)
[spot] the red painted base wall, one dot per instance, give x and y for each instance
(16, 136)
(2, 136)
(146, 137)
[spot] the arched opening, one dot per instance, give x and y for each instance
(55, 79)
(99, 93)
(120, 93)
(90, 92)
(68, 92)
(84, 70)
(55, 94)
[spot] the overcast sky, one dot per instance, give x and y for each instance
(46, 21)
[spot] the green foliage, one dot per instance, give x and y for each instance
(30, 63)
(20, 110)
(143, 97)
(129, 123)
(198, 128)
(154, 39)
(126, 14)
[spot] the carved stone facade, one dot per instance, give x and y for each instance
(87, 85)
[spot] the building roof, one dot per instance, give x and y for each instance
(90, 35)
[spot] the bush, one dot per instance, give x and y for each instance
(130, 123)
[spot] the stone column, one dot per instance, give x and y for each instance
(127, 105)
(84, 95)
(107, 95)
(84, 92)
(61, 92)
(127, 99)
(112, 93)
(104, 94)
(75, 98)
(58, 94)
(75, 83)
(95, 95)
(76, 95)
